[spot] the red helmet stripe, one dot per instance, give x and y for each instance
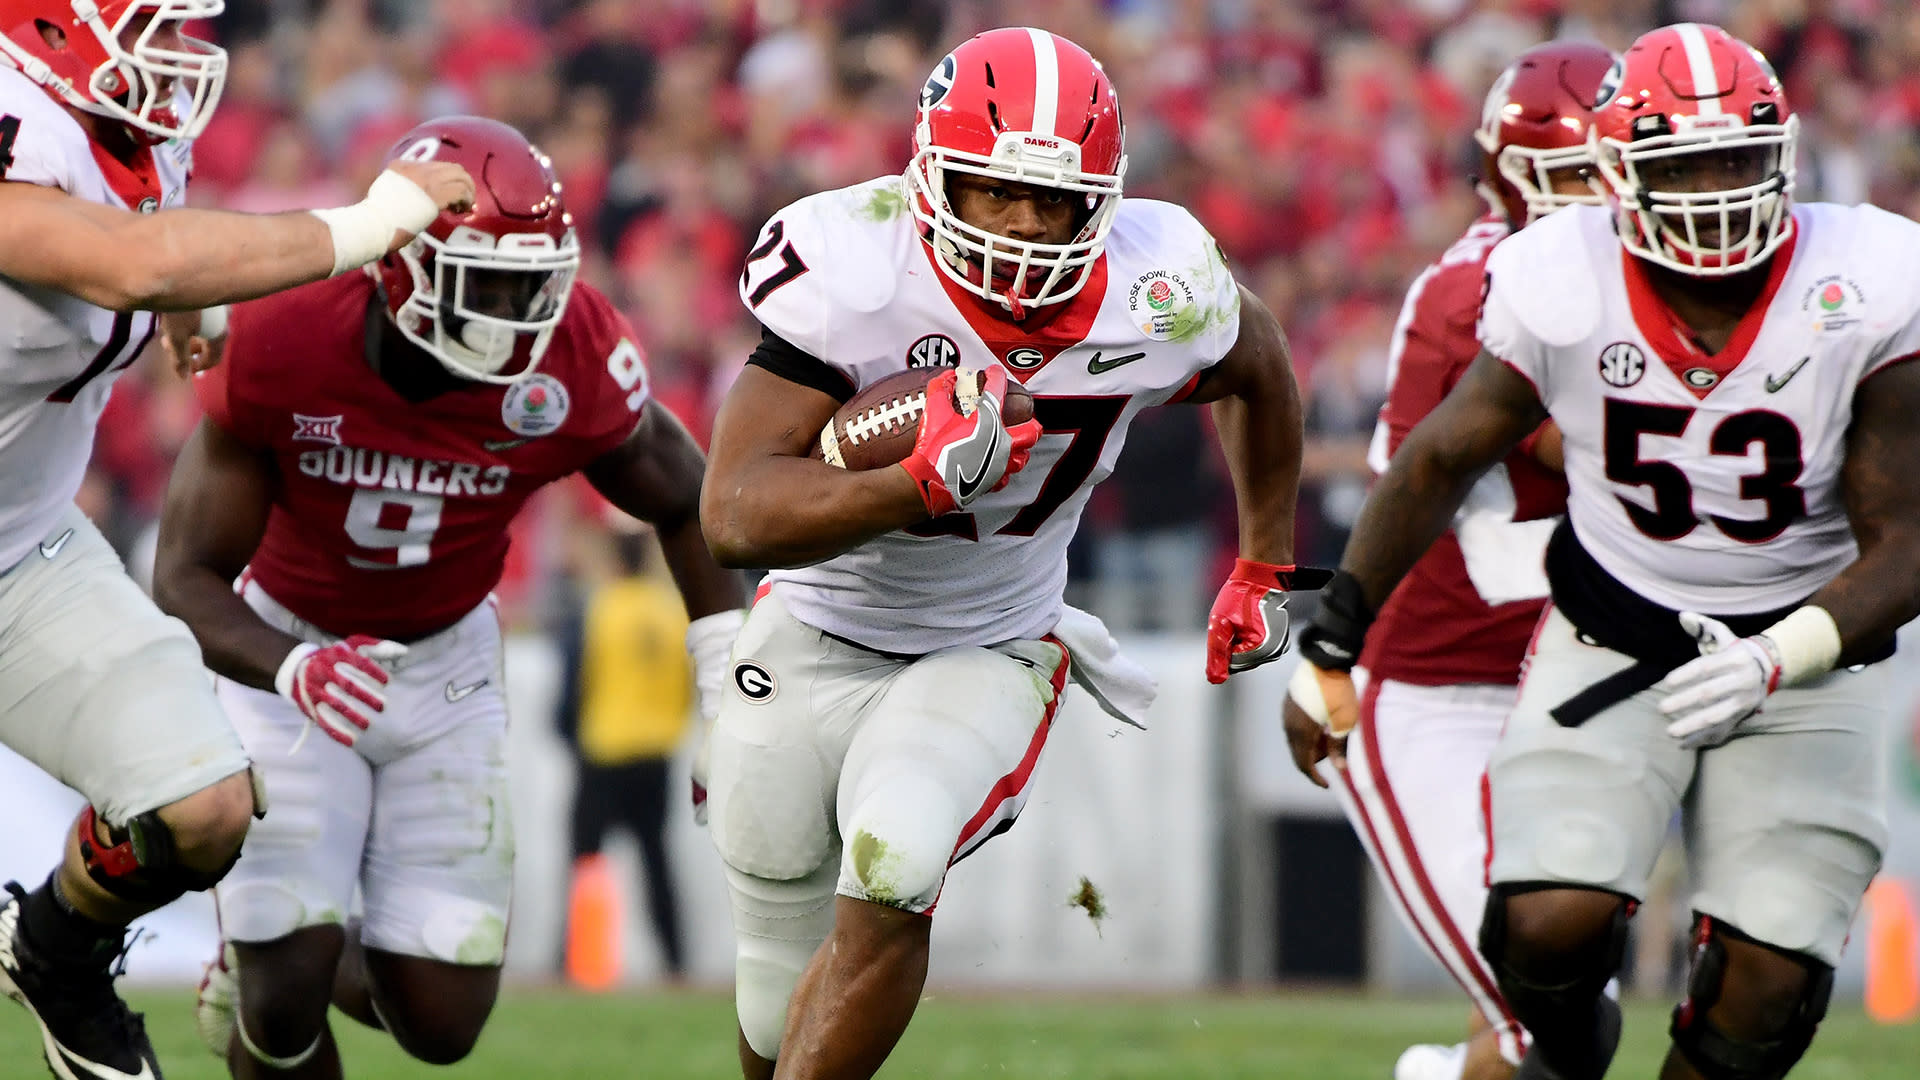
(1046, 82)
(1706, 84)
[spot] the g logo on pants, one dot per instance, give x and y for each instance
(754, 682)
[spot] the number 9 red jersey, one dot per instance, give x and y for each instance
(391, 516)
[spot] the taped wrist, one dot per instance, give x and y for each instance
(1806, 642)
(363, 231)
(213, 322)
(290, 670)
(1333, 640)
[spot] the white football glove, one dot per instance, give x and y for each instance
(1706, 699)
(710, 643)
(341, 687)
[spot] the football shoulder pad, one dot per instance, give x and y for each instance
(1544, 274)
(821, 263)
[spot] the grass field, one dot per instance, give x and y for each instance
(543, 1035)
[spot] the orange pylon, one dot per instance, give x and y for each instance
(593, 925)
(1893, 952)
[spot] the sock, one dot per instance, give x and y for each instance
(55, 929)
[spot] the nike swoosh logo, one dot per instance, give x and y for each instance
(1097, 366)
(967, 487)
(494, 446)
(461, 693)
(1774, 385)
(104, 1072)
(51, 549)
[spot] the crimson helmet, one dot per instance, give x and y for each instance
(125, 60)
(1695, 98)
(1534, 124)
(1028, 106)
(482, 291)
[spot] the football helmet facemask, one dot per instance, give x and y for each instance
(125, 60)
(1534, 124)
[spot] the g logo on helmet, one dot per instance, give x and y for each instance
(938, 83)
(754, 682)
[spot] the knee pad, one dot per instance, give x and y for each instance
(139, 863)
(1558, 998)
(777, 927)
(899, 841)
(1718, 1056)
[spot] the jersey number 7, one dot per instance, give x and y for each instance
(1089, 420)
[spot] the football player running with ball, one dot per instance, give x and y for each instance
(366, 445)
(100, 101)
(1443, 658)
(1730, 375)
(895, 682)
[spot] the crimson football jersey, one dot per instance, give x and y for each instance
(390, 517)
(1438, 629)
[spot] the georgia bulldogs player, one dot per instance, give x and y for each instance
(366, 445)
(1443, 658)
(100, 101)
(1729, 374)
(894, 685)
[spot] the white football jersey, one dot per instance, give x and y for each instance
(844, 276)
(59, 356)
(1707, 483)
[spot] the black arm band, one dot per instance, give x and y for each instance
(794, 364)
(1333, 640)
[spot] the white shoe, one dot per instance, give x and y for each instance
(216, 1010)
(1427, 1061)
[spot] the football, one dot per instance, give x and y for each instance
(878, 426)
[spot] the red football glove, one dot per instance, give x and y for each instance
(1248, 624)
(964, 450)
(340, 687)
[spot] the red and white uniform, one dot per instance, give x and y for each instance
(109, 670)
(390, 518)
(1443, 658)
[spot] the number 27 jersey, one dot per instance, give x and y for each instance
(844, 276)
(1705, 482)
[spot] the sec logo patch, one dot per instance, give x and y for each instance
(754, 682)
(535, 406)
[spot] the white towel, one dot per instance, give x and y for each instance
(1123, 688)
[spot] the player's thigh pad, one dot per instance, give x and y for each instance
(943, 764)
(299, 863)
(1587, 805)
(438, 873)
(1787, 820)
(794, 699)
(101, 689)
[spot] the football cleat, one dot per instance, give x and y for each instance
(86, 1031)
(216, 1008)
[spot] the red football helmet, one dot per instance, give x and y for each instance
(122, 59)
(482, 291)
(1029, 106)
(1694, 139)
(1534, 124)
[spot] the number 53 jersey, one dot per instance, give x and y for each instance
(390, 516)
(1707, 482)
(845, 280)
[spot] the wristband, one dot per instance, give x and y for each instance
(1333, 640)
(1807, 641)
(283, 679)
(363, 232)
(213, 322)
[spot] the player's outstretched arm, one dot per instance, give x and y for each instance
(1256, 409)
(1880, 483)
(212, 521)
(655, 476)
(184, 259)
(1491, 410)
(767, 504)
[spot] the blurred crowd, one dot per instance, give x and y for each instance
(1324, 142)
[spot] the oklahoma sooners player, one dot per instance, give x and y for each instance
(1729, 372)
(892, 692)
(100, 101)
(367, 442)
(1443, 658)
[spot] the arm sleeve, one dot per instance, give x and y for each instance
(794, 364)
